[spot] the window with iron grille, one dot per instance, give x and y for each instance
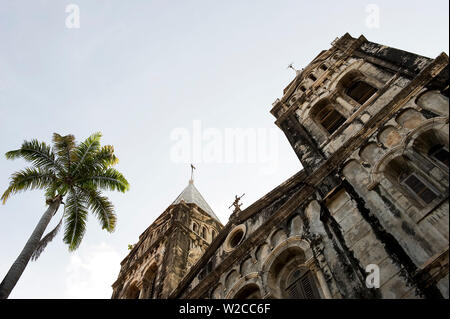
(439, 153)
(418, 187)
(360, 91)
(330, 119)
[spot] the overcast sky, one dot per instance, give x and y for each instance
(150, 75)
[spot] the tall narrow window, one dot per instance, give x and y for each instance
(415, 184)
(302, 286)
(439, 153)
(360, 91)
(203, 232)
(195, 227)
(330, 119)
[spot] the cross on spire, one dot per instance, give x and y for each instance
(192, 173)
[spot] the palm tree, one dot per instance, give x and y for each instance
(66, 170)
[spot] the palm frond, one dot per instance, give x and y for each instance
(44, 241)
(64, 146)
(102, 208)
(105, 157)
(85, 151)
(28, 179)
(54, 188)
(75, 219)
(109, 179)
(35, 152)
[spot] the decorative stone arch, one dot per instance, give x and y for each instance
(370, 153)
(131, 290)
(410, 118)
(434, 101)
(248, 287)
(389, 136)
(217, 292)
(149, 276)
(277, 236)
(295, 243)
(354, 67)
(438, 124)
(245, 266)
(195, 227)
(407, 142)
(295, 224)
(327, 115)
(230, 278)
(261, 250)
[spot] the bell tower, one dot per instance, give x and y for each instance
(168, 248)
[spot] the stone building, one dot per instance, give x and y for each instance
(369, 124)
(168, 248)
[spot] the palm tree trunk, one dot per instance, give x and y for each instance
(16, 270)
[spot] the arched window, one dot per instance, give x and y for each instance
(195, 227)
(439, 153)
(250, 291)
(433, 144)
(289, 277)
(203, 232)
(329, 118)
(148, 286)
(132, 292)
(360, 91)
(415, 185)
(300, 285)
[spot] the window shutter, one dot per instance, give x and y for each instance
(418, 187)
(309, 288)
(293, 292)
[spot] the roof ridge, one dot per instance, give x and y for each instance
(191, 195)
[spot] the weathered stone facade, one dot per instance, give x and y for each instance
(369, 123)
(168, 248)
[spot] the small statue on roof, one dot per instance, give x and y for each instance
(236, 204)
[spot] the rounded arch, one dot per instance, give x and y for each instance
(327, 115)
(148, 280)
(277, 237)
(230, 278)
(351, 70)
(291, 253)
(242, 282)
(217, 292)
(410, 118)
(131, 290)
(370, 153)
(389, 136)
(249, 291)
(434, 101)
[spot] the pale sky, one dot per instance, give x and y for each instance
(141, 72)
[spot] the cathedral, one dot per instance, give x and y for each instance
(366, 217)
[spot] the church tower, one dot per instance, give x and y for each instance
(168, 248)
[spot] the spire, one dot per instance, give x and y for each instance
(191, 195)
